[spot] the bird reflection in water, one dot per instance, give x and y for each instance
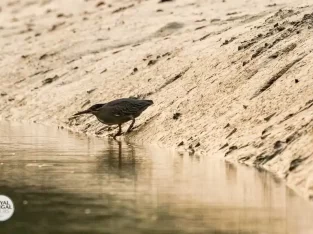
(119, 158)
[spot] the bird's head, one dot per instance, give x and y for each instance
(91, 110)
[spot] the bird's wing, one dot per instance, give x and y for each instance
(126, 107)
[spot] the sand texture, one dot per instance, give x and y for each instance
(228, 78)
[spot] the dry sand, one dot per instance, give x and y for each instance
(238, 72)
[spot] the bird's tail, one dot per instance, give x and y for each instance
(150, 102)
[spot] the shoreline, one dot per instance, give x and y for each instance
(236, 76)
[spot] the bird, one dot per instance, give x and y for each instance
(118, 111)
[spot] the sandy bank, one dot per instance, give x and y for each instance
(239, 74)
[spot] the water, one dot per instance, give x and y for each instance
(65, 183)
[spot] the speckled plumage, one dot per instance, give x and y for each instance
(118, 111)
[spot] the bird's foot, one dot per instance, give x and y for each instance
(133, 128)
(119, 134)
(116, 135)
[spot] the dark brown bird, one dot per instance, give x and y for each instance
(118, 112)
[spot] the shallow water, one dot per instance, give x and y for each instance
(64, 183)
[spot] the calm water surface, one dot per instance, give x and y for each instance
(64, 183)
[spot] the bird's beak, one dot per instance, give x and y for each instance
(83, 112)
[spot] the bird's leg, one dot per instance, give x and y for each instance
(119, 131)
(131, 125)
